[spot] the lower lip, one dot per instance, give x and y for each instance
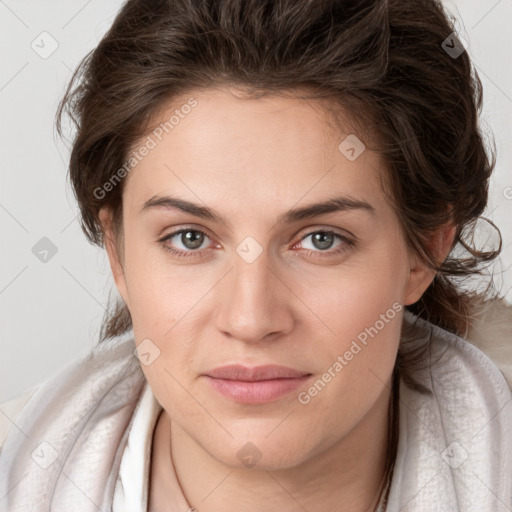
(256, 392)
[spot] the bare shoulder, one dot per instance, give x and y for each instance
(10, 410)
(491, 332)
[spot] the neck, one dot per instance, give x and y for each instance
(347, 476)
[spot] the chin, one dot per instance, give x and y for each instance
(262, 452)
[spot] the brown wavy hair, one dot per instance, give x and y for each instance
(416, 104)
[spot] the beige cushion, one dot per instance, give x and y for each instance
(491, 332)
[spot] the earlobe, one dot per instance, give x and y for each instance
(421, 275)
(114, 258)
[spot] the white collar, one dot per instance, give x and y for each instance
(131, 491)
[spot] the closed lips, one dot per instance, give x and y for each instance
(255, 373)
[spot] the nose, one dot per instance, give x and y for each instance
(253, 304)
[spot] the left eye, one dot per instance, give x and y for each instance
(322, 239)
(192, 240)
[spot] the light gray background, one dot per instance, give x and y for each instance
(51, 312)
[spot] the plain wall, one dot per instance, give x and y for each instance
(51, 311)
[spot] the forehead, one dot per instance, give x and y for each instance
(228, 113)
(216, 142)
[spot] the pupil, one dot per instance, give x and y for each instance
(323, 240)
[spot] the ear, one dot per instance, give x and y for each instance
(114, 258)
(440, 243)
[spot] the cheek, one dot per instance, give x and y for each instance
(360, 303)
(174, 392)
(364, 334)
(154, 292)
(356, 362)
(354, 298)
(361, 312)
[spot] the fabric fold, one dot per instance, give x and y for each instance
(454, 451)
(64, 451)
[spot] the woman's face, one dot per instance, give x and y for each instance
(260, 276)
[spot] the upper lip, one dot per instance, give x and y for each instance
(254, 373)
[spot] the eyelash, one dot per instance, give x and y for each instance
(348, 243)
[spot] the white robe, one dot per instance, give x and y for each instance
(83, 440)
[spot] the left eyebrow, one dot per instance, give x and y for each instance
(334, 204)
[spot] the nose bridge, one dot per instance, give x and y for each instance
(253, 304)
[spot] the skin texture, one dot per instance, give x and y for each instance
(297, 304)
